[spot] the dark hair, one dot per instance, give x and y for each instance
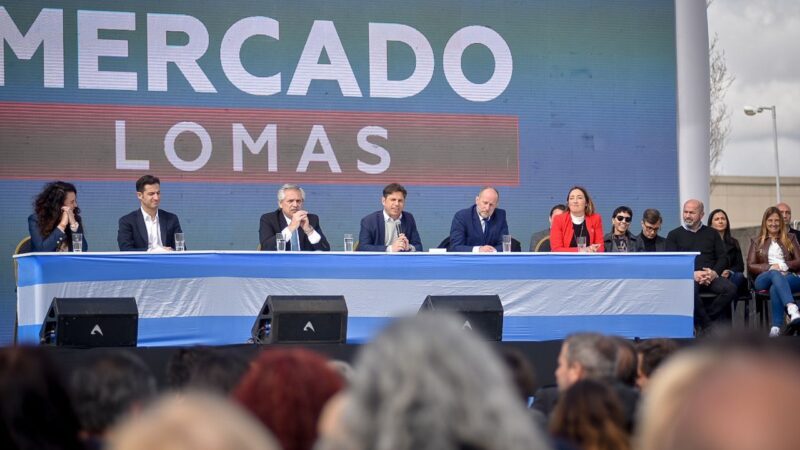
(521, 370)
(106, 389)
(36, 411)
(622, 209)
(589, 209)
(654, 352)
(286, 390)
(207, 369)
(560, 206)
(626, 361)
(589, 415)
(651, 215)
(392, 188)
(726, 235)
(47, 205)
(146, 180)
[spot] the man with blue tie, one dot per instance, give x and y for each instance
(479, 228)
(300, 229)
(391, 229)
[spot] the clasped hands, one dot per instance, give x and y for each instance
(300, 220)
(705, 276)
(67, 218)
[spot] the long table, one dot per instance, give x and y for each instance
(213, 297)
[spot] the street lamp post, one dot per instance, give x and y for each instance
(752, 111)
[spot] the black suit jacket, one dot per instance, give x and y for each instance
(272, 223)
(132, 232)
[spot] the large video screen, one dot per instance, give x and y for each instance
(226, 101)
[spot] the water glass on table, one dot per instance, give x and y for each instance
(280, 243)
(581, 242)
(348, 242)
(180, 242)
(506, 243)
(77, 242)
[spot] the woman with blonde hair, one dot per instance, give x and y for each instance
(774, 259)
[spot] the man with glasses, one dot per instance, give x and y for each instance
(786, 213)
(620, 239)
(649, 240)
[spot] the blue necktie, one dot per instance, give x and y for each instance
(295, 241)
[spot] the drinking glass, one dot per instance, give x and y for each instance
(77, 242)
(348, 242)
(581, 241)
(506, 243)
(280, 243)
(180, 243)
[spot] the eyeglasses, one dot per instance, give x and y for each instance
(621, 218)
(649, 228)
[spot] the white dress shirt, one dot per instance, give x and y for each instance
(153, 231)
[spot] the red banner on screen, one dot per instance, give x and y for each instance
(112, 142)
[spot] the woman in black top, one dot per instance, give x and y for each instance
(718, 220)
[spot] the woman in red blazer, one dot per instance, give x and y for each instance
(579, 220)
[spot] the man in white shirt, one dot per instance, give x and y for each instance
(148, 228)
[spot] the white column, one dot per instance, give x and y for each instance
(691, 33)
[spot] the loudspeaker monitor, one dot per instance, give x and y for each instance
(91, 322)
(481, 313)
(301, 319)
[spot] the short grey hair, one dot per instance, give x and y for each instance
(290, 187)
(427, 384)
(596, 353)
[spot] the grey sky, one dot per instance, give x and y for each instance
(761, 39)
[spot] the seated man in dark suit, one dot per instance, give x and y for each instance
(540, 240)
(391, 229)
(288, 220)
(479, 228)
(649, 240)
(148, 228)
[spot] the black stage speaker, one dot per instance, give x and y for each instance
(301, 319)
(91, 322)
(481, 313)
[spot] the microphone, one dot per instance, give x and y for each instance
(398, 229)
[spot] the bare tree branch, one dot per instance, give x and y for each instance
(720, 81)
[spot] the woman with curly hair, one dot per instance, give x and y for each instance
(55, 217)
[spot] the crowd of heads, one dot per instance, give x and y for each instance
(423, 383)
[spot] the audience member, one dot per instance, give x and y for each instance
(540, 240)
(55, 218)
(651, 353)
(35, 412)
(620, 239)
(786, 214)
(286, 390)
(718, 220)
(289, 220)
(424, 383)
(731, 396)
(626, 363)
(666, 394)
(693, 236)
(391, 229)
(590, 416)
(108, 388)
(479, 228)
(205, 368)
(649, 240)
(580, 228)
(192, 421)
(148, 228)
(774, 260)
(590, 356)
(524, 377)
